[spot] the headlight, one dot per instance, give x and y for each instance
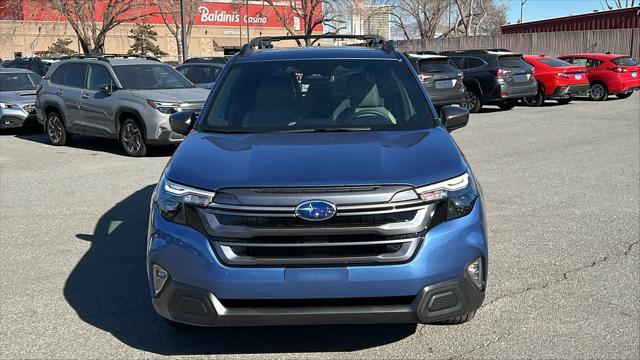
(174, 200)
(164, 107)
(4, 105)
(454, 198)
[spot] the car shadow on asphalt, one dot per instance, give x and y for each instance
(108, 289)
(89, 143)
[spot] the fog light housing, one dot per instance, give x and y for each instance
(475, 273)
(160, 276)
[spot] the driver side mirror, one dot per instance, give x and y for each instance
(182, 122)
(107, 88)
(454, 117)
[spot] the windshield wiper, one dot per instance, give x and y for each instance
(326, 129)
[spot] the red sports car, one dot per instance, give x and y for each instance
(608, 74)
(557, 79)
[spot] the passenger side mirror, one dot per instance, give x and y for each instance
(106, 88)
(182, 122)
(454, 117)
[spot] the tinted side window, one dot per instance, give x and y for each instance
(98, 76)
(457, 61)
(593, 62)
(579, 61)
(58, 76)
(75, 76)
(473, 62)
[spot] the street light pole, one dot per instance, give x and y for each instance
(522, 2)
(183, 34)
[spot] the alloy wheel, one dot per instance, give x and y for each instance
(132, 137)
(54, 128)
(470, 100)
(597, 91)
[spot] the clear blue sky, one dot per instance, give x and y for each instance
(543, 9)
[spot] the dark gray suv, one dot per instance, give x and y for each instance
(122, 98)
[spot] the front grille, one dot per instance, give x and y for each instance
(359, 233)
(29, 108)
(353, 221)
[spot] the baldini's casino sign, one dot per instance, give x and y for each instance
(206, 16)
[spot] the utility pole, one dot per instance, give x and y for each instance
(183, 34)
(247, 19)
(522, 2)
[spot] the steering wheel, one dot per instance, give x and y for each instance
(376, 113)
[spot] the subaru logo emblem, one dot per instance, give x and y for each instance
(315, 210)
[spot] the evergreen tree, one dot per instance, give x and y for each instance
(60, 48)
(144, 38)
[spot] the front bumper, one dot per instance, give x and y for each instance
(166, 137)
(191, 305)
(15, 118)
(200, 285)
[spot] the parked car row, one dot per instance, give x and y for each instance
(474, 78)
(129, 98)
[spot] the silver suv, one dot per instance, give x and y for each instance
(118, 97)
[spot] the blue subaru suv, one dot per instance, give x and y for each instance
(317, 186)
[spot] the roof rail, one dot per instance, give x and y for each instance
(266, 42)
(106, 57)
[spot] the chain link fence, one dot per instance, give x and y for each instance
(617, 41)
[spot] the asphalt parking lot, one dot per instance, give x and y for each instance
(562, 188)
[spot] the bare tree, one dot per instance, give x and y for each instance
(311, 14)
(91, 30)
(422, 17)
(170, 13)
(619, 4)
(496, 17)
(476, 17)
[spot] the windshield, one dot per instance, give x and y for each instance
(150, 76)
(436, 66)
(18, 81)
(553, 62)
(624, 61)
(318, 95)
(513, 61)
(199, 74)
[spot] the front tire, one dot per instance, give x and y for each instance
(598, 92)
(472, 101)
(56, 132)
(623, 95)
(132, 138)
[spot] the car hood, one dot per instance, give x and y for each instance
(194, 94)
(18, 97)
(213, 161)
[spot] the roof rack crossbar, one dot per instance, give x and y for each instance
(266, 42)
